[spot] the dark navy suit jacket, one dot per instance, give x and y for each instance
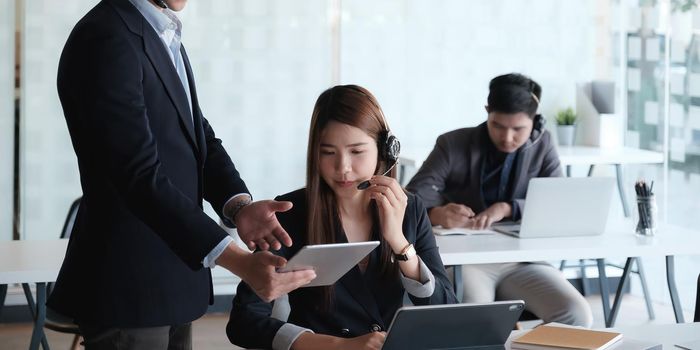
(146, 164)
(360, 300)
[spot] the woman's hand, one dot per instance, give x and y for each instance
(391, 201)
(369, 341)
(496, 212)
(311, 341)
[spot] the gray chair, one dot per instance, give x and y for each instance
(54, 320)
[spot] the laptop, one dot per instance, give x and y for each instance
(454, 326)
(563, 206)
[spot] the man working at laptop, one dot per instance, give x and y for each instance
(477, 176)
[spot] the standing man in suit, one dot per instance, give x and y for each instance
(136, 272)
(477, 176)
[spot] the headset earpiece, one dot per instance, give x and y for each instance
(538, 122)
(389, 149)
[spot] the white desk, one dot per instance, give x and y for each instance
(28, 262)
(666, 334)
(617, 242)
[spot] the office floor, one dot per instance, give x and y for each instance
(209, 331)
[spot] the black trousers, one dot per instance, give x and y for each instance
(151, 338)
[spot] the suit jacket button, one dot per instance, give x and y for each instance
(375, 328)
(345, 332)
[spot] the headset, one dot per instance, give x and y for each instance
(388, 145)
(538, 123)
(389, 149)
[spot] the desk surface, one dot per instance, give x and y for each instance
(588, 155)
(666, 334)
(31, 261)
(619, 241)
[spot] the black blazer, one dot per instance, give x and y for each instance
(134, 257)
(360, 300)
(452, 172)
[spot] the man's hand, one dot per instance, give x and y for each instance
(258, 226)
(451, 215)
(259, 271)
(494, 213)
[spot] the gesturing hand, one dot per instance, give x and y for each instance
(258, 226)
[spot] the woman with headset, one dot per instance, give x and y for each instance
(349, 143)
(477, 176)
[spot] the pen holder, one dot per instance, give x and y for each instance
(648, 213)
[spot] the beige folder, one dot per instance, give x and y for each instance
(553, 337)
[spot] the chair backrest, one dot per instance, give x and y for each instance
(697, 302)
(70, 218)
(67, 229)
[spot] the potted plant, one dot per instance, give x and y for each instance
(566, 126)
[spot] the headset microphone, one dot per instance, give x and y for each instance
(365, 184)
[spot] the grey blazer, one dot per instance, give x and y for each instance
(452, 172)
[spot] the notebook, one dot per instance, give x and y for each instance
(554, 337)
(440, 231)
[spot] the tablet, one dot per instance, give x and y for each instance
(483, 326)
(330, 261)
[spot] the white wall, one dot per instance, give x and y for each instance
(261, 64)
(259, 67)
(430, 62)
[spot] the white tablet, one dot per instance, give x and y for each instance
(330, 261)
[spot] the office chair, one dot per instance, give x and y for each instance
(697, 302)
(54, 320)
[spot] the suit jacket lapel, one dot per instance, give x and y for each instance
(159, 57)
(197, 117)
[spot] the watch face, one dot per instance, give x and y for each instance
(411, 252)
(406, 254)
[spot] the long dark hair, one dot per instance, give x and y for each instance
(356, 106)
(514, 93)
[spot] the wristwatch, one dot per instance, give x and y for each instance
(406, 253)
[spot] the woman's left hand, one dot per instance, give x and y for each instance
(391, 201)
